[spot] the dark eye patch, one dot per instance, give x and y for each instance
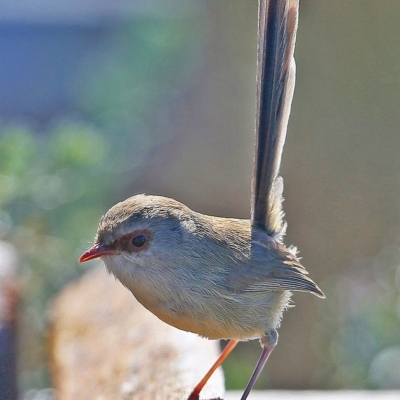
(135, 241)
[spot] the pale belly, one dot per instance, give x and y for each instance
(242, 319)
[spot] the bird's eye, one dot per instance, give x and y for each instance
(139, 240)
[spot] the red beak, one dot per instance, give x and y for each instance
(98, 250)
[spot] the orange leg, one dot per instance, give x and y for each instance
(225, 353)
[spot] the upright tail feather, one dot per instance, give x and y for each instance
(277, 27)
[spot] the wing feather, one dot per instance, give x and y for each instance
(270, 266)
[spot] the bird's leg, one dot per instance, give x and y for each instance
(268, 343)
(225, 353)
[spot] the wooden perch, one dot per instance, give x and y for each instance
(105, 345)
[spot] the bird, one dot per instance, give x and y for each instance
(218, 277)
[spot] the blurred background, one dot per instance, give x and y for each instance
(104, 99)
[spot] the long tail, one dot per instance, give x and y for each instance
(277, 26)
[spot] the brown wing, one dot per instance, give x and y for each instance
(270, 266)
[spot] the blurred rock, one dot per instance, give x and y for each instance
(104, 344)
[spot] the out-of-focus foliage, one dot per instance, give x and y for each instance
(53, 187)
(127, 89)
(55, 184)
(359, 330)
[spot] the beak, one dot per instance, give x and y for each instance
(98, 250)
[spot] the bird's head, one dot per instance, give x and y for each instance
(140, 229)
